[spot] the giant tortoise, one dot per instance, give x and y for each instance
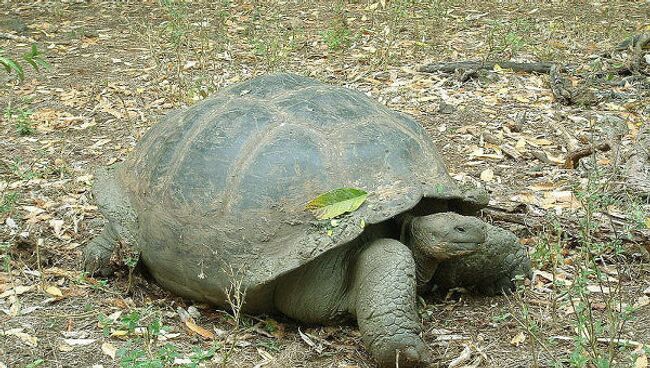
(213, 199)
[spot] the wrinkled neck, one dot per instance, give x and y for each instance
(425, 265)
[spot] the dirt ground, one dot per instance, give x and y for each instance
(117, 67)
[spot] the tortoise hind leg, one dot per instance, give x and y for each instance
(97, 254)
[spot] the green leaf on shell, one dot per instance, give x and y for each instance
(337, 202)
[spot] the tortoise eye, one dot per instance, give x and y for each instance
(460, 229)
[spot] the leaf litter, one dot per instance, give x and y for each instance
(501, 128)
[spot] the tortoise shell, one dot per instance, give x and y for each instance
(219, 189)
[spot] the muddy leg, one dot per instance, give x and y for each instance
(385, 305)
(97, 254)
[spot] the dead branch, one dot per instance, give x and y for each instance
(9, 36)
(573, 158)
(538, 222)
(542, 68)
(637, 166)
(632, 42)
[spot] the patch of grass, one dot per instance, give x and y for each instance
(141, 349)
(586, 287)
(336, 38)
(36, 363)
(7, 202)
(21, 118)
(21, 171)
(508, 39)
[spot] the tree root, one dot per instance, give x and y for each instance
(538, 222)
(574, 157)
(542, 68)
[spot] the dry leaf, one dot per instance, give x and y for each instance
(18, 290)
(79, 342)
(641, 362)
(65, 348)
(119, 333)
(598, 289)
(24, 337)
(521, 145)
(518, 339)
(198, 329)
(109, 349)
(307, 339)
(642, 302)
(54, 291)
(57, 226)
(539, 142)
(487, 175)
(464, 356)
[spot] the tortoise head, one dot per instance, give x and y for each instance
(445, 235)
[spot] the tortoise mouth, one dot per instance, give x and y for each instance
(446, 250)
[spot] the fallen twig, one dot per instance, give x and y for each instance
(543, 68)
(604, 340)
(533, 223)
(573, 158)
(9, 36)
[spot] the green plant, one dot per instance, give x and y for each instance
(507, 39)
(22, 172)
(7, 202)
(133, 356)
(199, 355)
(338, 36)
(130, 321)
(5, 257)
(177, 27)
(33, 57)
(272, 345)
(597, 308)
(36, 363)
(21, 118)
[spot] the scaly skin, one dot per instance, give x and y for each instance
(98, 252)
(374, 281)
(385, 305)
(491, 269)
(118, 230)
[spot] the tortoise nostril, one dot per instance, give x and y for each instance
(460, 229)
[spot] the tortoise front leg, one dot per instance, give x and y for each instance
(383, 299)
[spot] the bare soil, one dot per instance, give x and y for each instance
(118, 67)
